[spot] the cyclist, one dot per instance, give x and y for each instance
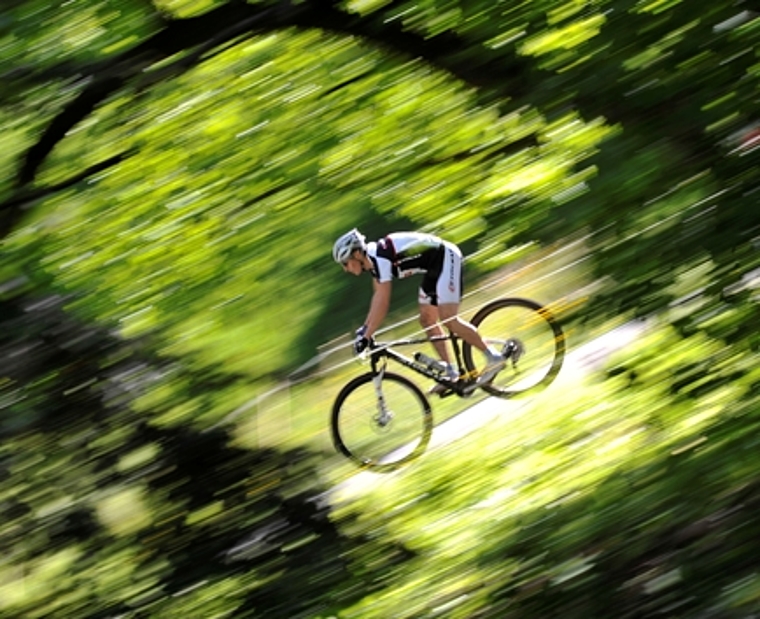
(399, 255)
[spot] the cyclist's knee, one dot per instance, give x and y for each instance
(448, 311)
(428, 315)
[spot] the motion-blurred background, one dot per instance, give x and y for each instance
(173, 331)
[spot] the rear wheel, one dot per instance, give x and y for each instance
(381, 433)
(530, 337)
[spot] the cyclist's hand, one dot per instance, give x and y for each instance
(362, 342)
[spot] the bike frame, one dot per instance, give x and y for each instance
(384, 351)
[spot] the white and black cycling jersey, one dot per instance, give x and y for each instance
(401, 254)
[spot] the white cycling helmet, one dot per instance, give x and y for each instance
(346, 244)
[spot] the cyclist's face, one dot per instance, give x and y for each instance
(353, 265)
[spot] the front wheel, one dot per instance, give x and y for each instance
(381, 423)
(530, 336)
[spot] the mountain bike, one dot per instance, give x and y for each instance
(382, 420)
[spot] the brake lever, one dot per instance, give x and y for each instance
(364, 356)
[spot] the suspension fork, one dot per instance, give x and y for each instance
(383, 416)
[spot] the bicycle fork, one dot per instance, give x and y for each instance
(383, 416)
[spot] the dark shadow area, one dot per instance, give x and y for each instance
(206, 510)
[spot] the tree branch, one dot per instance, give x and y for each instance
(12, 209)
(199, 35)
(448, 51)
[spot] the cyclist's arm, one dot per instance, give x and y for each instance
(378, 308)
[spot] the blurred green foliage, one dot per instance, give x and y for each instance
(155, 461)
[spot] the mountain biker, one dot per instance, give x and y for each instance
(399, 255)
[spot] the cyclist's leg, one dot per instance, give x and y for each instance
(448, 292)
(494, 360)
(448, 313)
(429, 320)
